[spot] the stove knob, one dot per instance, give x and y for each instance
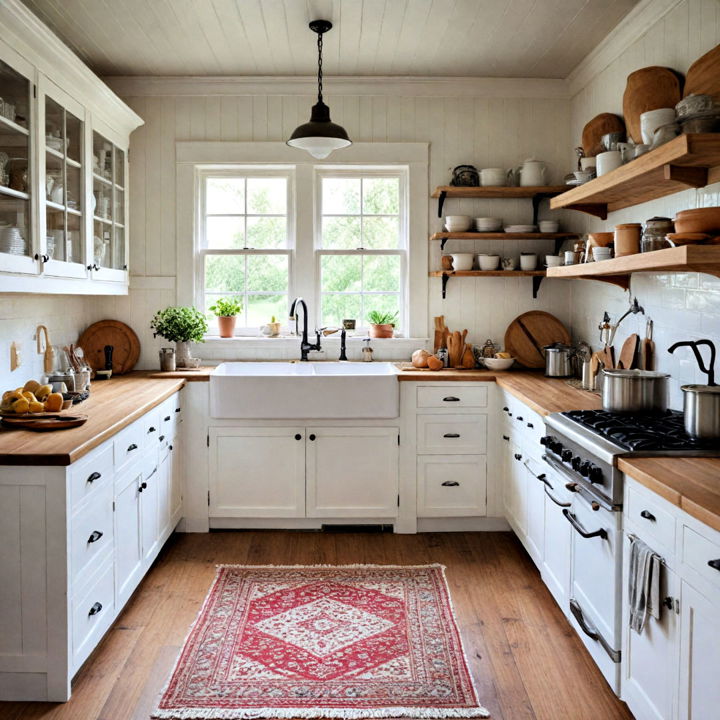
(576, 463)
(566, 455)
(585, 468)
(556, 447)
(596, 475)
(546, 440)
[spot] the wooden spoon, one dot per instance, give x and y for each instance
(626, 361)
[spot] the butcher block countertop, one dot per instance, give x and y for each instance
(692, 484)
(112, 405)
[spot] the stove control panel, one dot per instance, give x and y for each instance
(586, 469)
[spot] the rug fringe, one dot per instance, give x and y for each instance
(317, 713)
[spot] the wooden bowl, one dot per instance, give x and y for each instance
(688, 238)
(601, 239)
(700, 220)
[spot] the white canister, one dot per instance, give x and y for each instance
(493, 177)
(651, 120)
(587, 163)
(532, 173)
(608, 161)
(528, 261)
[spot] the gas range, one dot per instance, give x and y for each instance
(585, 445)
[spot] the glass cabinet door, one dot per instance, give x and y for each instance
(109, 248)
(16, 239)
(64, 191)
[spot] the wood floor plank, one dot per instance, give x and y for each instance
(526, 661)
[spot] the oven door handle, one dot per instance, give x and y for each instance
(591, 631)
(556, 501)
(541, 477)
(580, 529)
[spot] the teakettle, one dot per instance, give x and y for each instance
(531, 172)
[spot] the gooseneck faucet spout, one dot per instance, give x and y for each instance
(305, 346)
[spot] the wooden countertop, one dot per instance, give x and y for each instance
(692, 484)
(112, 405)
(202, 374)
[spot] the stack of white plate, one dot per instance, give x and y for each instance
(12, 241)
(520, 228)
(488, 224)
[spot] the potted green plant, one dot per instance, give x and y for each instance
(181, 325)
(382, 323)
(226, 311)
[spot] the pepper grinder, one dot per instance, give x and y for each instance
(107, 372)
(367, 351)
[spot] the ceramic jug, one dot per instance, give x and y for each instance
(532, 172)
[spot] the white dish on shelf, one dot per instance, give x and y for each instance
(521, 228)
(462, 261)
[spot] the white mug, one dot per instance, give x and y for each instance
(571, 257)
(587, 163)
(608, 161)
(528, 262)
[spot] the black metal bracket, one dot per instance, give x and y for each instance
(558, 244)
(444, 240)
(536, 200)
(537, 280)
(445, 278)
(441, 202)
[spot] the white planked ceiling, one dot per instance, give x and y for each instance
(480, 38)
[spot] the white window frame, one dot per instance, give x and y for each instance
(193, 157)
(368, 171)
(201, 249)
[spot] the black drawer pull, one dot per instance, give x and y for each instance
(166, 418)
(311, 437)
(505, 409)
(161, 438)
(451, 435)
(506, 437)
(177, 410)
(519, 418)
(518, 456)
(714, 564)
(451, 398)
(151, 429)
(95, 609)
(95, 536)
(93, 477)
(509, 414)
(298, 436)
(451, 483)
(170, 447)
(530, 425)
(142, 487)
(132, 447)
(648, 515)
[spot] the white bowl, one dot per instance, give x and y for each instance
(458, 223)
(651, 120)
(553, 260)
(549, 226)
(462, 261)
(488, 224)
(488, 262)
(498, 363)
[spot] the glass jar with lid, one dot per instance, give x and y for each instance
(654, 234)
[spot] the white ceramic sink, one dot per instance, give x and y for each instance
(304, 390)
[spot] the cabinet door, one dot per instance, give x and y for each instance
(557, 554)
(128, 539)
(699, 655)
(515, 489)
(649, 659)
(451, 485)
(257, 472)
(535, 541)
(150, 512)
(352, 472)
(176, 488)
(164, 482)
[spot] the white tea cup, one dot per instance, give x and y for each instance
(528, 261)
(509, 263)
(608, 161)
(553, 260)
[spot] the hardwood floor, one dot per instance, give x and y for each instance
(526, 660)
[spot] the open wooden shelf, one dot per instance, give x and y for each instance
(496, 191)
(536, 275)
(689, 258)
(559, 238)
(688, 161)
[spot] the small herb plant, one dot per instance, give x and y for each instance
(377, 317)
(226, 307)
(179, 324)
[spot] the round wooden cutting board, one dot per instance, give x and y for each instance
(528, 333)
(44, 422)
(649, 88)
(600, 125)
(110, 332)
(703, 77)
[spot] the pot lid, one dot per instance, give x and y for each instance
(636, 374)
(557, 346)
(702, 389)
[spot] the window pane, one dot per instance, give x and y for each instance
(340, 196)
(225, 196)
(381, 196)
(382, 303)
(381, 233)
(267, 232)
(262, 308)
(225, 233)
(341, 233)
(267, 196)
(381, 272)
(267, 273)
(336, 308)
(224, 273)
(341, 273)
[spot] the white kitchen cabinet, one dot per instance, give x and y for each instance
(699, 689)
(535, 536)
(558, 541)
(149, 496)
(451, 485)
(128, 535)
(257, 472)
(352, 472)
(515, 488)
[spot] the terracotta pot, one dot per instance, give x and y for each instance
(627, 239)
(382, 331)
(226, 326)
(699, 220)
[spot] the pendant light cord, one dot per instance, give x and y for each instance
(320, 47)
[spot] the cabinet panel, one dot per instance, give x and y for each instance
(451, 485)
(257, 472)
(558, 538)
(128, 537)
(535, 540)
(515, 488)
(466, 434)
(657, 526)
(452, 396)
(150, 489)
(698, 551)
(91, 535)
(352, 472)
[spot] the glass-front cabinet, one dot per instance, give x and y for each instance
(17, 251)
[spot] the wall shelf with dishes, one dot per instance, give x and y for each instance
(558, 237)
(537, 276)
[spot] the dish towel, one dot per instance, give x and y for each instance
(643, 584)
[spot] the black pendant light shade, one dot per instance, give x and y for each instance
(320, 136)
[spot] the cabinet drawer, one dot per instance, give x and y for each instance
(451, 485)
(698, 551)
(91, 473)
(466, 434)
(652, 522)
(170, 412)
(151, 426)
(452, 396)
(92, 615)
(129, 443)
(91, 535)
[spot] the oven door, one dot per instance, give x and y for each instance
(595, 591)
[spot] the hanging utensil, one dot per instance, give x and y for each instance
(48, 351)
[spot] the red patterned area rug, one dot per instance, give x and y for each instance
(353, 641)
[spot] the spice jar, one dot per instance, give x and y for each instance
(489, 349)
(653, 238)
(627, 239)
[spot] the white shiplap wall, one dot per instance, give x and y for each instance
(683, 306)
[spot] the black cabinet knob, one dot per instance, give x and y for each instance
(648, 516)
(95, 536)
(132, 447)
(530, 425)
(506, 437)
(311, 437)
(151, 429)
(518, 456)
(95, 609)
(519, 418)
(161, 438)
(166, 418)
(93, 477)
(298, 436)
(170, 447)
(714, 564)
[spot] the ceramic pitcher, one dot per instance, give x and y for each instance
(532, 172)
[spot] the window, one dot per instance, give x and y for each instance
(246, 242)
(361, 245)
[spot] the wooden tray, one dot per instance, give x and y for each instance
(703, 77)
(600, 125)
(528, 333)
(43, 422)
(649, 88)
(110, 332)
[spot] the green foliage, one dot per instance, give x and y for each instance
(179, 324)
(379, 317)
(226, 307)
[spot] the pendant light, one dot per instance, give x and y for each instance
(320, 136)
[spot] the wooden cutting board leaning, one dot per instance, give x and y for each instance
(703, 77)
(117, 334)
(649, 88)
(528, 333)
